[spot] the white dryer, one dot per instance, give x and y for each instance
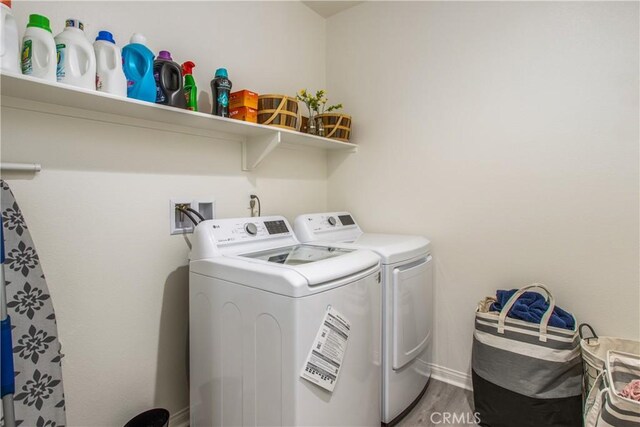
(260, 308)
(407, 303)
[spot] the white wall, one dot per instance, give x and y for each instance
(508, 134)
(99, 211)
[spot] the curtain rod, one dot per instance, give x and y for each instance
(20, 167)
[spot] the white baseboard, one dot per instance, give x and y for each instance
(451, 376)
(180, 418)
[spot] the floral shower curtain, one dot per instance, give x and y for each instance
(39, 396)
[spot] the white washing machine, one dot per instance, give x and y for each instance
(281, 334)
(407, 303)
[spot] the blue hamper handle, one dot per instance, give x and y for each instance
(7, 380)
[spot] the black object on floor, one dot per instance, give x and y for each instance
(499, 407)
(157, 417)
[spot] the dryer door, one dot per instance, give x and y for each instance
(412, 310)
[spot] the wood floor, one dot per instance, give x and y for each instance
(442, 405)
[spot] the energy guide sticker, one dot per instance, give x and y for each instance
(325, 357)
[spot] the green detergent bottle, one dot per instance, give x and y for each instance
(190, 89)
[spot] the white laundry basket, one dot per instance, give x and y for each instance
(594, 353)
(605, 407)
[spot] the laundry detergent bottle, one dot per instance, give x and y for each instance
(39, 58)
(220, 89)
(137, 64)
(76, 58)
(190, 88)
(9, 41)
(109, 75)
(168, 77)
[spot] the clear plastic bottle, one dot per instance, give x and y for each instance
(39, 58)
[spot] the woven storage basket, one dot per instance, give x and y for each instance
(336, 126)
(594, 353)
(278, 110)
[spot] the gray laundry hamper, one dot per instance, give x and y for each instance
(525, 374)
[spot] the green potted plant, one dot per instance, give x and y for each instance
(317, 106)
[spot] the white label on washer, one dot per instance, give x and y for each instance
(325, 358)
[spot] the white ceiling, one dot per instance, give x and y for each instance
(330, 8)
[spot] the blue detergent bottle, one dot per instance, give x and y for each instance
(137, 64)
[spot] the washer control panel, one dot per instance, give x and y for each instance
(318, 223)
(249, 229)
(328, 226)
(276, 227)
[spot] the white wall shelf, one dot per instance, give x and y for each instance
(258, 141)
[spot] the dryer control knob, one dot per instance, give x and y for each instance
(251, 229)
(332, 220)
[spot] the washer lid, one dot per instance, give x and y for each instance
(296, 271)
(298, 254)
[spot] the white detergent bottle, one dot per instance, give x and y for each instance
(9, 40)
(109, 75)
(76, 58)
(39, 49)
